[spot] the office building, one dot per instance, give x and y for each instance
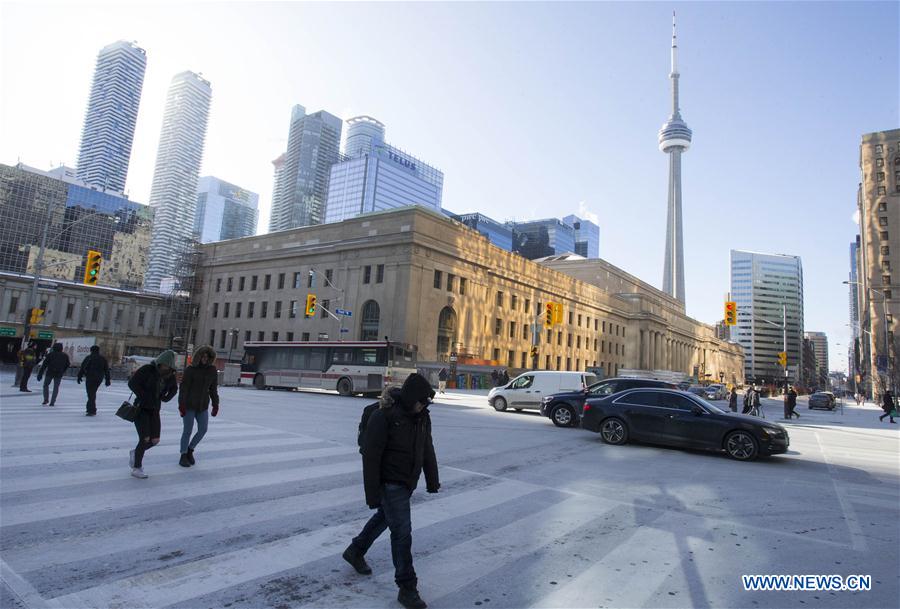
(111, 115)
(497, 233)
(542, 238)
(765, 286)
(674, 139)
(819, 343)
(587, 236)
(301, 185)
(364, 135)
(224, 211)
(385, 178)
(878, 203)
(173, 195)
(856, 348)
(78, 218)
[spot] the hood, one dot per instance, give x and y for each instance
(390, 396)
(209, 351)
(166, 358)
(416, 388)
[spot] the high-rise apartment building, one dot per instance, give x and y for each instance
(301, 186)
(587, 236)
(820, 347)
(878, 202)
(111, 115)
(224, 211)
(768, 290)
(173, 195)
(364, 135)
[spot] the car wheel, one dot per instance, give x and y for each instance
(499, 404)
(344, 387)
(613, 431)
(563, 416)
(741, 445)
(259, 381)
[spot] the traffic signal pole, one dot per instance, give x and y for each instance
(38, 267)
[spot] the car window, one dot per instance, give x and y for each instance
(589, 379)
(605, 389)
(642, 398)
(678, 402)
(523, 382)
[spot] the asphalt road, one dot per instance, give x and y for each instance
(529, 515)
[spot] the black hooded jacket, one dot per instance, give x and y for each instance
(95, 368)
(55, 364)
(151, 388)
(397, 446)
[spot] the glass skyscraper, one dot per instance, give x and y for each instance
(540, 238)
(111, 115)
(364, 134)
(301, 183)
(587, 236)
(224, 211)
(761, 284)
(499, 234)
(173, 196)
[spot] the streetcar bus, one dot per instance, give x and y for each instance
(346, 367)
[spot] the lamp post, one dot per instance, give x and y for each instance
(232, 333)
(887, 345)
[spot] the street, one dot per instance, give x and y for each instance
(528, 515)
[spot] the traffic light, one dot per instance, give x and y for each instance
(310, 305)
(730, 313)
(92, 267)
(548, 315)
(35, 316)
(557, 312)
(782, 359)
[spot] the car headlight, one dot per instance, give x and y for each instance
(546, 399)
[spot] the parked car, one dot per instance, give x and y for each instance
(526, 390)
(822, 399)
(564, 409)
(680, 418)
(721, 391)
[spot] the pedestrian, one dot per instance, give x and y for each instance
(152, 384)
(887, 405)
(791, 399)
(495, 378)
(748, 400)
(442, 380)
(754, 401)
(27, 362)
(95, 369)
(732, 399)
(199, 386)
(53, 369)
(504, 378)
(396, 447)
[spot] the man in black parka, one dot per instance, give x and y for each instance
(396, 447)
(96, 369)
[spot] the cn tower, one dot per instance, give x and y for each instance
(674, 138)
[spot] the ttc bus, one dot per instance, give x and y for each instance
(347, 367)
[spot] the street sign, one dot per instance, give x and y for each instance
(344, 312)
(7, 331)
(42, 335)
(343, 330)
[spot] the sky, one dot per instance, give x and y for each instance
(531, 110)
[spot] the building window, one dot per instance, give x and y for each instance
(237, 310)
(569, 340)
(578, 342)
(549, 336)
(524, 359)
(227, 308)
(438, 279)
(367, 274)
(568, 363)
(250, 310)
(885, 265)
(525, 331)
(884, 235)
(571, 318)
(512, 329)
(510, 358)
(274, 335)
(882, 206)
(558, 362)
(559, 338)
(253, 282)
(451, 280)
(495, 355)
(247, 335)
(499, 300)
(290, 336)
(379, 273)
(70, 309)
(579, 320)
(305, 336)
(881, 190)
(462, 286)
(292, 313)
(323, 310)
(879, 148)
(277, 309)
(886, 279)
(260, 335)
(896, 161)
(241, 284)
(881, 176)
(280, 281)
(513, 302)
(527, 307)
(498, 326)
(897, 176)
(230, 284)
(215, 309)
(604, 326)
(887, 294)
(212, 338)
(298, 280)
(882, 221)
(264, 309)
(890, 319)
(219, 284)
(141, 316)
(885, 250)
(328, 275)
(879, 162)
(268, 282)
(222, 339)
(602, 346)
(371, 316)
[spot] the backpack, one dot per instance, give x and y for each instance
(364, 421)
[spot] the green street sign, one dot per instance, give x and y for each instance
(45, 335)
(7, 331)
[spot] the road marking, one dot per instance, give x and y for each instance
(858, 540)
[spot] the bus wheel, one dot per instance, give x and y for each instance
(345, 387)
(259, 381)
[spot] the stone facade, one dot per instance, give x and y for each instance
(418, 277)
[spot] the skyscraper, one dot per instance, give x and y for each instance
(587, 236)
(820, 347)
(765, 287)
(301, 184)
(541, 238)
(173, 195)
(674, 138)
(111, 115)
(224, 211)
(364, 134)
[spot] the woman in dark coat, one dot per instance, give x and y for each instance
(152, 384)
(732, 399)
(199, 386)
(887, 405)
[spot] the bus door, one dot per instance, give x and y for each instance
(314, 368)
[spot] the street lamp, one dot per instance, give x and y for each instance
(887, 346)
(232, 332)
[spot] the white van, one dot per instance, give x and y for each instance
(526, 390)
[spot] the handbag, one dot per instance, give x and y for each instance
(128, 411)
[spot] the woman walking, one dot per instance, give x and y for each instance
(732, 399)
(198, 388)
(152, 384)
(887, 405)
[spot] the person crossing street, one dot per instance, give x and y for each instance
(199, 387)
(94, 369)
(53, 369)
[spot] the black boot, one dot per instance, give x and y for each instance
(356, 560)
(190, 456)
(409, 598)
(183, 462)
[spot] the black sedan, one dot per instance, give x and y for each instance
(822, 399)
(679, 418)
(564, 408)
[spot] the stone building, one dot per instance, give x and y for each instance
(419, 277)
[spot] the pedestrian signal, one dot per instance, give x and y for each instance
(730, 313)
(92, 267)
(548, 315)
(36, 316)
(310, 305)
(782, 359)
(557, 312)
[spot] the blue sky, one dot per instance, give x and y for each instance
(530, 109)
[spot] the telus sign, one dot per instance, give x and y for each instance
(402, 161)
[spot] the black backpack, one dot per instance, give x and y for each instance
(364, 421)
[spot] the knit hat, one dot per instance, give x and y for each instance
(416, 388)
(95, 349)
(166, 358)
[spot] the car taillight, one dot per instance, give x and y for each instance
(586, 408)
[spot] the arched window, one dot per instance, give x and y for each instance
(446, 331)
(371, 315)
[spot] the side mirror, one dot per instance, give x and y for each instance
(697, 410)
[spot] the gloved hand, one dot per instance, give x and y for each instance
(79, 381)
(215, 411)
(107, 383)
(182, 410)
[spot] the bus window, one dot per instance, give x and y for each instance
(342, 355)
(402, 355)
(300, 359)
(317, 359)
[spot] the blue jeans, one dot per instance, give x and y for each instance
(202, 417)
(394, 514)
(55, 380)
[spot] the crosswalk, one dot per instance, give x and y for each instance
(263, 517)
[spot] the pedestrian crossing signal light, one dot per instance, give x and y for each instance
(782, 359)
(92, 267)
(310, 305)
(36, 316)
(730, 313)
(548, 315)
(557, 312)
